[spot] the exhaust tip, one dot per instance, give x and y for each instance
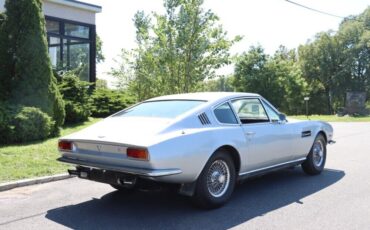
(127, 182)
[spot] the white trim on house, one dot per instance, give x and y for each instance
(78, 5)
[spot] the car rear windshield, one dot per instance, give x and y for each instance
(161, 109)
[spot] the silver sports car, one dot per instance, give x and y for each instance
(200, 143)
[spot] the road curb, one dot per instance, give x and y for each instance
(32, 181)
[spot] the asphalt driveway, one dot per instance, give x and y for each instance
(339, 198)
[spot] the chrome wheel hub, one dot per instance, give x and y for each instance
(218, 178)
(318, 153)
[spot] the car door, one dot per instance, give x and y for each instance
(267, 139)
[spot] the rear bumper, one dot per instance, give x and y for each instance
(129, 170)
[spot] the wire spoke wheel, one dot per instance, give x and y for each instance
(318, 153)
(218, 178)
(315, 161)
(216, 182)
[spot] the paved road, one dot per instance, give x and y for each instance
(337, 199)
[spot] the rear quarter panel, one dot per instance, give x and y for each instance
(191, 150)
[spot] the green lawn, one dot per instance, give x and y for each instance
(34, 159)
(332, 118)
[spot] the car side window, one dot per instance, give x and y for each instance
(250, 110)
(225, 115)
(271, 113)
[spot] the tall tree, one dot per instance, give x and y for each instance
(277, 78)
(183, 47)
(320, 62)
(354, 36)
(286, 69)
(253, 73)
(26, 66)
(334, 63)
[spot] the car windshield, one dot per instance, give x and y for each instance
(161, 109)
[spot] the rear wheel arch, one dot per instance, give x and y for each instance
(234, 155)
(217, 180)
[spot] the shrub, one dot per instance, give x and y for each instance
(76, 112)
(105, 102)
(26, 72)
(29, 124)
(76, 98)
(5, 118)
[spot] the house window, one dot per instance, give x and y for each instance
(76, 30)
(72, 47)
(52, 26)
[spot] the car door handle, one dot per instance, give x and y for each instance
(250, 133)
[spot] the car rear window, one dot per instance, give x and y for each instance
(225, 115)
(161, 109)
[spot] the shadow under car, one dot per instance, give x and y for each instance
(168, 210)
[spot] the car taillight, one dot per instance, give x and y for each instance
(141, 154)
(65, 145)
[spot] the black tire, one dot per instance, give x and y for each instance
(314, 165)
(122, 189)
(216, 174)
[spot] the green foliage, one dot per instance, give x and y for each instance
(175, 54)
(105, 102)
(332, 118)
(220, 84)
(101, 84)
(320, 62)
(20, 124)
(35, 159)
(76, 97)
(328, 67)
(276, 78)
(5, 79)
(2, 18)
(354, 38)
(31, 124)
(253, 74)
(334, 63)
(76, 112)
(26, 74)
(99, 50)
(286, 70)
(5, 118)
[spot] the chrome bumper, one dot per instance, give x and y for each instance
(123, 169)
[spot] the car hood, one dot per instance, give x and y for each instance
(139, 131)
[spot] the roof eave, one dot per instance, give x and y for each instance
(79, 5)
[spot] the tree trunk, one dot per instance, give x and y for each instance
(329, 102)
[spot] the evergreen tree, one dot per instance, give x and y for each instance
(4, 61)
(28, 68)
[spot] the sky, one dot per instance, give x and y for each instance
(269, 23)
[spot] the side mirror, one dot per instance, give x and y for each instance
(282, 117)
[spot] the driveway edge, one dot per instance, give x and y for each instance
(33, 181)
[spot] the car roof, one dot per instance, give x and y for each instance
(205, 96)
